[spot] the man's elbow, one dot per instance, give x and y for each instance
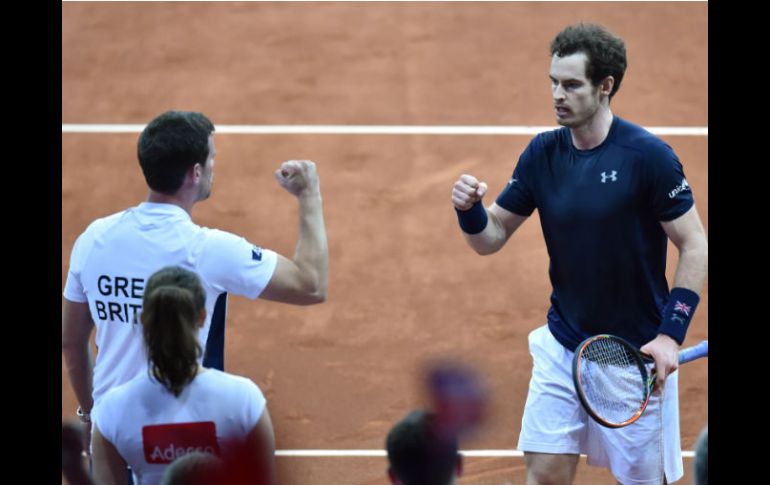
(315, 293)
(316, 298)
(307, 299)
(319, 295)
(484, 246)
(485, 250)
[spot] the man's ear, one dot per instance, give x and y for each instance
(193, 174)
(606, 85)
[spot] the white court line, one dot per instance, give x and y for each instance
(382, 453)
(391, 0)
(374, 129)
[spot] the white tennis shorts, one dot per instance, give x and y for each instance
(554, 421)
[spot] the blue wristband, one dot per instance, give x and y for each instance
(678, 313)
(473, 220)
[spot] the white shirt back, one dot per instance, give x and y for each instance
(114, 257)
(150, 427)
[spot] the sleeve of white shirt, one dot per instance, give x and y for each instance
(232, 264)
(255, 406)
(73, 288)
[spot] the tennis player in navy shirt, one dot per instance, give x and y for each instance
(609, 195)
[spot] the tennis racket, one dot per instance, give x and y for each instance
(612, 380)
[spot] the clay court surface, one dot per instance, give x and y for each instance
(404, 287)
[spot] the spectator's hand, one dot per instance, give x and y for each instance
(299, 178)
(665, 351)
(73, 466)
(71, 446)
(87, 439)
(467, 191)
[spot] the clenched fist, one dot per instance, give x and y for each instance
(299, 178)
(467, 191)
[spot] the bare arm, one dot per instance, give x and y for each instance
(75, 332)
(260, 451)
(687, 234)
(302, 280)
(501, 224)
(109, 467)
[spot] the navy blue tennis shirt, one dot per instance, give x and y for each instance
(600, 211)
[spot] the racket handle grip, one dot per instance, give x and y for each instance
(694, 352)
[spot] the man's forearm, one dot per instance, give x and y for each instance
(685, 295)
(491, 239)
(312, 251)
(692, 267)
(80, 370)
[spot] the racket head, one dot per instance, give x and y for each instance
(611, 380)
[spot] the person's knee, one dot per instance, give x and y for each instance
(543, 469)
(548, 477)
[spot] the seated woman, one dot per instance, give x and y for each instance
(178, 406)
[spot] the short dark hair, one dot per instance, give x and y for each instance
(416, 454)
(170, 145)
(194, 468)
(606, 52)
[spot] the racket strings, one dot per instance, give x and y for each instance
(613, 383)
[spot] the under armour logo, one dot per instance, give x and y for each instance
(676, 318)
(613, 176)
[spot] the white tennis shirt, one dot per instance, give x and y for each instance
(114, 257)
(150, 427)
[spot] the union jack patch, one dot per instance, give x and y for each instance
(681, 307)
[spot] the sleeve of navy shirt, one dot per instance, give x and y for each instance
(670, 195)
(517, 196)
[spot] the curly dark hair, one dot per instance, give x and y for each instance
(606, 52)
